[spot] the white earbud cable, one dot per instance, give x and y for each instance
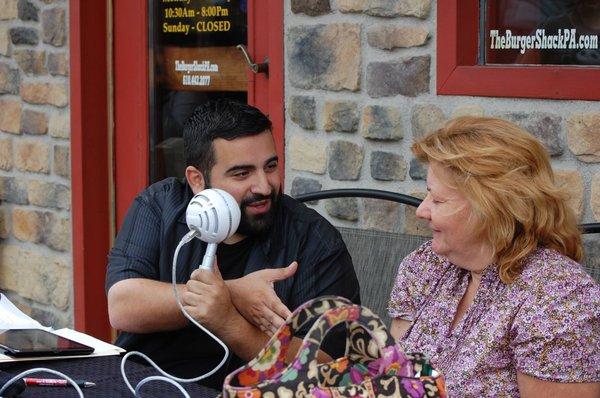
(167, 377)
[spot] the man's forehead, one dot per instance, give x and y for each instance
(261, 143)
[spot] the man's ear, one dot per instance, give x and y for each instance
(195, 178)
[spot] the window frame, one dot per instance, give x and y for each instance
(459, 74)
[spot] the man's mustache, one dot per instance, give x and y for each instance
(256, 198)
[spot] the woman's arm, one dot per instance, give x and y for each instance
(530, 387)
(399, 328)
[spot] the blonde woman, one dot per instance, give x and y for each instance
(497, 298)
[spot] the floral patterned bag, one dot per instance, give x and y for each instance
(373, 365)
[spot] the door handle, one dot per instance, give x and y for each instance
(254, 67)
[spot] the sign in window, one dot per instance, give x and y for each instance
(541, 32)
(193, 60)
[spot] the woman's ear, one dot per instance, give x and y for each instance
(195, 178)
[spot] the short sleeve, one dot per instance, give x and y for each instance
(556, 333)
(409, 286)
(135, 253)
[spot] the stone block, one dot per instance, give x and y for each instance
(62, 161)
(10, 116)
(417, 170)
(56, 94)
(412, 224)
(48, 194)
(408, 77)
(388, 37)
(4, 228)
(13, 190)
(57, 234)
(345, 160)
(311, 7)
(33, 156)
(387, 166)
(9, 80)
(31, 62)
(39, 277)
(28, 225)
(387, 8)
(58, 64)
(468, 110)
(572, 183)
(381, 123)
(28, 11)
(426, 118)
(595, 196)
(340, 116)
(21, 35)
(325, 56)
(308, 154)
(342, 208)
(302, 185)
(34, 122)
(382, 215)
(301, 110)
(59, 125)
(9, 9)
(544, 126)
(583, 136)
(4, 41)
(63, 197)
(54, 26)
(6, 155)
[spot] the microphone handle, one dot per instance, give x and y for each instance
(209, 256)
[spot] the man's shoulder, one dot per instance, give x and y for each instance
(169, 190)
(306, 221)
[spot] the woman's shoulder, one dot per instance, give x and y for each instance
(547, 265)
(424, 264)
(550, 275)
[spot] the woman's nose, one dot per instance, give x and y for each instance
(423, 210)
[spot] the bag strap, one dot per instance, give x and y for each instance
(355, 315)
(270, 361)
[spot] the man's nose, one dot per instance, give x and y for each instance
(261, 185)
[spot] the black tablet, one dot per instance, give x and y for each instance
(38, 342)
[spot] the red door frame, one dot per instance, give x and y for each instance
(459, 74)
(90, 203)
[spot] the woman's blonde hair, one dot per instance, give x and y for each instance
(505, 174)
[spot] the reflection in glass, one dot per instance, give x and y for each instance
(193, 60)
(543, 32)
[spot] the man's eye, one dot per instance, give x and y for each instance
(272, 166)
(241, 174)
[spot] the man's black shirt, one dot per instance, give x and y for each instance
(153, 227)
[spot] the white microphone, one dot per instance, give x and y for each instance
(214, 216)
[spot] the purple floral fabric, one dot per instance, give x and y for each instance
(545, 324)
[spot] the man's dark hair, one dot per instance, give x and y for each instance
(222, 118)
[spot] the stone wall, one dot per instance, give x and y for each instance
(35, 217)
(360, 87)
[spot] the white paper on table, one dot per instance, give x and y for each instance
(13, 318)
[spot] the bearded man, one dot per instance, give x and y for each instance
(282, 254)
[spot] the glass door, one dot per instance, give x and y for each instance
(193, 59)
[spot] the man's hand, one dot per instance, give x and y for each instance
(207, 299)
(255, 299)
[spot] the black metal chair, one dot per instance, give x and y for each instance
(376, 254)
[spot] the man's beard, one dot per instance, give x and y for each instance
(258, 224)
